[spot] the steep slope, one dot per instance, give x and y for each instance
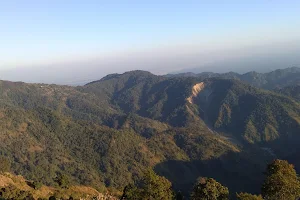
(235, 112)
(40, 143)
(252, 116)
(147, 95)
(89, 133)
(291, 91)
(249, 113)
(106, 133)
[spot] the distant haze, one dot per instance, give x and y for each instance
(82, 41)
(270, 57)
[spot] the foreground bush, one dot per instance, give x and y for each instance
(209, 189)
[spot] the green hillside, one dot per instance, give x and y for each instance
(107, 133)
(291, 91)
(249, 113)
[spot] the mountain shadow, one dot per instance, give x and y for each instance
(236, 171)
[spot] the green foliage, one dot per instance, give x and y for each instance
(105, 133)
(247, 196)
(209, 189)
(199, 143)
(12, 193)
(132, 192)
(248, 113)
(37, 185)
(152, 187)
(34, 184)
(4, 164)
(282, 182)
(292, 91)
(62, 180)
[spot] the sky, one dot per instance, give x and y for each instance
(72, 41)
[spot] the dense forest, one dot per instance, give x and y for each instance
(127, 132)
(281, 183)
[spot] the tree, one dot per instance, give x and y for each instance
(34, 184)
(156, 187)
(247, 196)
(12, 192)
(152, 187)
(4, 164)
(62, 180)
(131, 192)
(209, 189)
(37, 185)
(281, 182)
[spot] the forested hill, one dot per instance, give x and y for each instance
(272, 80)
(291, 91)
(107, 133)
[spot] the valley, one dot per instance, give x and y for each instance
(107, 133)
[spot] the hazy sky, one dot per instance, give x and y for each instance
(68, 41)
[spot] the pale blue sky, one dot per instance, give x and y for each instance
(40, 32)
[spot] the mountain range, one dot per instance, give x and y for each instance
(271, 80)
(106, 133)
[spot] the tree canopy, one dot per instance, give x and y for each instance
(282, 182)
(209, 189)
(151, 187)
(247, 196)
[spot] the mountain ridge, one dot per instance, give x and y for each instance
(281, 77)
(105, 133)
